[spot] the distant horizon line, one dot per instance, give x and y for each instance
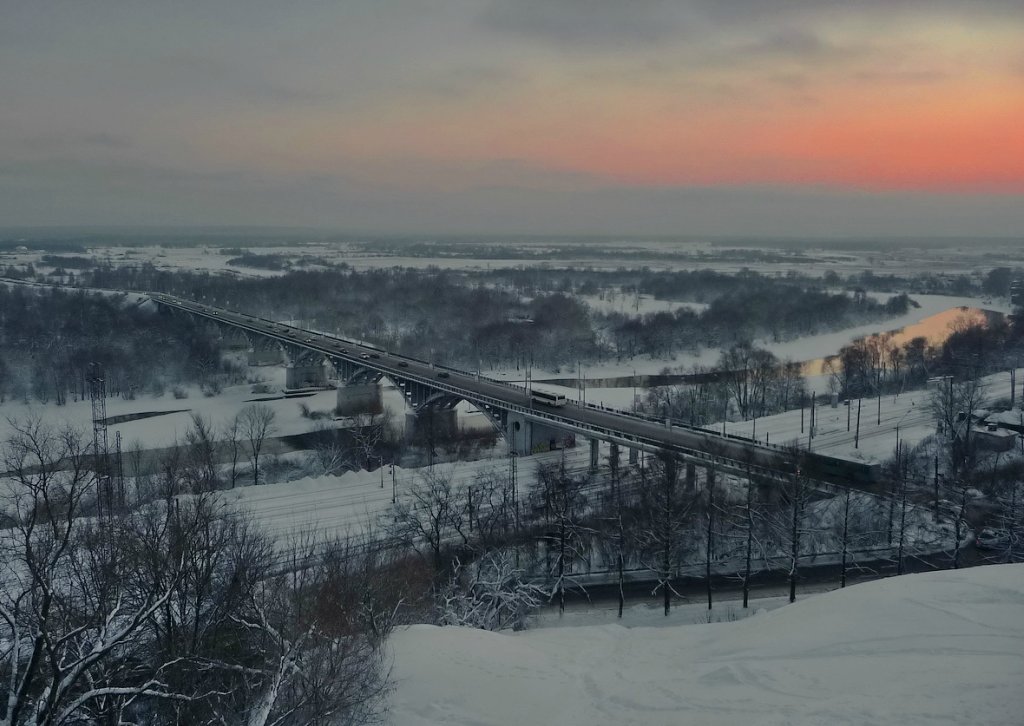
(268, 230)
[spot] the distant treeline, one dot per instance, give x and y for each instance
(521, 316)
(48, 339)
(762, 309)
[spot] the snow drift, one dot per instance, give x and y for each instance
(937, 648)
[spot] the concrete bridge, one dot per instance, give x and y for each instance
(432, 391)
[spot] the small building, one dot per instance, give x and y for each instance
(994, 438)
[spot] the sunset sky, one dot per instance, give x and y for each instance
(694, 117)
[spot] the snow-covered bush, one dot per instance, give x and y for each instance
(489, 594)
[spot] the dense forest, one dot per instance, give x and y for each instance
(522, 316)
(49, 337)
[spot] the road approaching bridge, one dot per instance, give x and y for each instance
(526, 422)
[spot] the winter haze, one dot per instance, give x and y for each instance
(774, 118)
(504, 362)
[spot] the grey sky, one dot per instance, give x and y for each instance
(377, 116)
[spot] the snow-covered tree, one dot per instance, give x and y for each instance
(490, 593)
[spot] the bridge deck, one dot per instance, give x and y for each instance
(728, 453)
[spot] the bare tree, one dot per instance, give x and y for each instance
(797, 492)
(786, 522)
(559, 500)
(492, 593)
(370, 431)
(136, 457)
(318, 665)
(200, 469)
(233, 442)
(71, 624)
(173, 613)
(749, 372)
(430, 518)
(490, 509)
(664, 509)
(955, 405)
(615, 531)
(329, 456)
(257, 423)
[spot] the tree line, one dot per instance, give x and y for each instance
(522, 317)
(49, 338)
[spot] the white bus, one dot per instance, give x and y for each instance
(548, 399)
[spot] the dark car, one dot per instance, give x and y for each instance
(442, 374)
(402, 364)
(374, 355)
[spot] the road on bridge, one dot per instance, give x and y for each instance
(726, 453)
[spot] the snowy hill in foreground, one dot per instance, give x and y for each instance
(937, 648)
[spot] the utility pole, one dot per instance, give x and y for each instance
(119, 470)
(856, 436)
(100, 452)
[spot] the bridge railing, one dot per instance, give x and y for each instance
(584, 427)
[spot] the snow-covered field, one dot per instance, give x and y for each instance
(936, 648)
(614, 302)
(607, 254)
(336, 506)
(165, 430)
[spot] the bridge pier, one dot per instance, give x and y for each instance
(634, 455)
(691, 476)
(264, 355)
(595, 454)
(526, 437)
(306, 374)
(357, 398)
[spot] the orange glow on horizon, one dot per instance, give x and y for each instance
(734, 128)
